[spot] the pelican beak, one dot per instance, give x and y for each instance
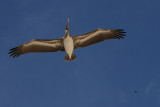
(67, 24)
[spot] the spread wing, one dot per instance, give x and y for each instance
(37, 46)
(96, 36)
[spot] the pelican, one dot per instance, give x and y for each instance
(67, 43)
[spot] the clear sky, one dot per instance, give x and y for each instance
(103, 75)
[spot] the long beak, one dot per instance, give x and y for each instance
(67, 24)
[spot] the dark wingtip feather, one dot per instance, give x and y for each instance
(120, 33)
(13, 49)
(14, 52)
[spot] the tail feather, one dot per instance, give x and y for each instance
(67, 58)
(73, 57)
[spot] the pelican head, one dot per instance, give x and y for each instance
(66, 31)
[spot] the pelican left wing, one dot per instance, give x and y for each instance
(37, 46)
(96, 36)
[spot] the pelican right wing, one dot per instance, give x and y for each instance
(37, 46)
(96, 36)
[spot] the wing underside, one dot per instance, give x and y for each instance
(37, 46)
(96, 36)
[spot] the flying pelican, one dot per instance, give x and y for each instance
(68, 43)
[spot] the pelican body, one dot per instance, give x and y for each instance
(69, 47)
(68, 43)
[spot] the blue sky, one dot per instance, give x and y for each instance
(103, 75)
